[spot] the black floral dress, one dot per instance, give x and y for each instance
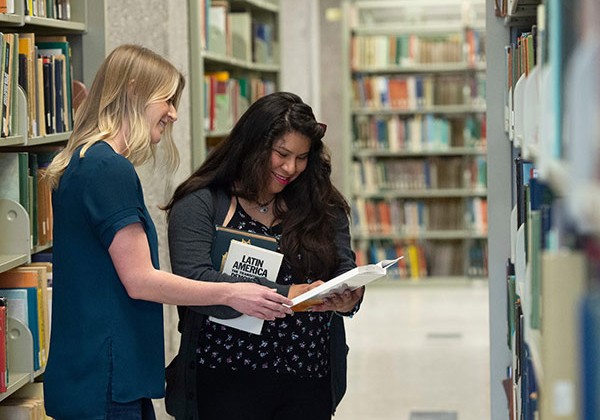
(297, 344)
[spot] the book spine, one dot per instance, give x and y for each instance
(3, 345)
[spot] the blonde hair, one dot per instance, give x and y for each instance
(130, 78)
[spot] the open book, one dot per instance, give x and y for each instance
(352, 280)
(246, 260)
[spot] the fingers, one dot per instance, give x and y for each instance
(270, 305)
(275, 297)
(273, 305)
(342, 302)
(260, 301)
(270, 313)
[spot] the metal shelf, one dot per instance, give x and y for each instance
(451, 151)
(224, 60)
(432, 234)
(421, 68)
(423, 193)
(437, 109)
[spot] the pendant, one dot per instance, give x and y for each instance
(263, 209)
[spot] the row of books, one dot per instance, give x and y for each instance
(427, 258)
(384, 51)
(412, 266)
(236, 34)
(411, 217)
(46, 77)
(51, 9)
(42, 68)
(477, 263)
(520, 62)
(226, 98)
(418, 132)
(546, 288)
(552, 278)
(9, 65)
(21, 180)
(431, 173)
(27, 294)
(550, 99)
(417, 92)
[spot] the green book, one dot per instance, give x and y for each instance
(9, 176)
(33, 214)
(24, 180)
(511, 307)
(535, 254)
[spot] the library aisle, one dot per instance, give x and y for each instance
(419, 353)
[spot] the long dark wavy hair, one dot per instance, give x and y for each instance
(308, 207)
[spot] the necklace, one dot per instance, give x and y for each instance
(264, 207)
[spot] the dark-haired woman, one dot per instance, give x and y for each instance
(271, 176)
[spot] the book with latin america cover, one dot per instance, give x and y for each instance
(223, 237)
(243, 259)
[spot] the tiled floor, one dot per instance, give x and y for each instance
(419, 352)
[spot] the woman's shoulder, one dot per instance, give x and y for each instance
(101, 154)
(202, 195)
(204, 199)
(100, 163)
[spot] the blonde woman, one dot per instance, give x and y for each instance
(106, 359)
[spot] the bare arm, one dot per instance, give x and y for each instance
(130, 254)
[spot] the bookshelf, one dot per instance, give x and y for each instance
(24, 209)
(543, 59)
(416, 130)
(234, 59)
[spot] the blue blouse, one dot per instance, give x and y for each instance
(104, 345)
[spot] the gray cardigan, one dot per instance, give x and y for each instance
(192, 224)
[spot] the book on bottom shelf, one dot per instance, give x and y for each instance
(23, 306)
(27, 305)
(247, 260)
(352, 280)
(589, 341)
(3, 345)
(22, 409)
(42, 290)
(563, 285)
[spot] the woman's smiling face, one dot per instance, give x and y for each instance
(289, 157)
(159, 114)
